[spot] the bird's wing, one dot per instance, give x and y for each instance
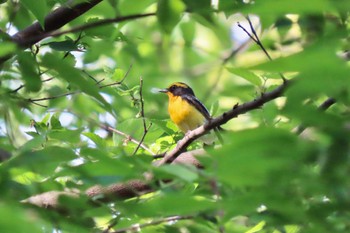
(198, 105)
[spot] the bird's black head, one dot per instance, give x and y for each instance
(178, 89)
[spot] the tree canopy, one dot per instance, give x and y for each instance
(86, 143)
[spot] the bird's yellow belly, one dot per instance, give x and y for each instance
(185, 116)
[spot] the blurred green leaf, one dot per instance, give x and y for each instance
(43, 161)
(65, 135)
(169, 14)
(7, 48)
(29, 70)
(118, 75)
(180, 171)
(246, 74)
(73, 76)
(134, 6)
(18, 220)
(188, 30)
(66, 45)
(55, 123)
(170, 204)
(250, 159)
(39, 9)
(100, 142)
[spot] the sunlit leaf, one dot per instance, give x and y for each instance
(7, 48)
(246, 74)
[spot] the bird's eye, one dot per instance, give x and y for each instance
(172, 88)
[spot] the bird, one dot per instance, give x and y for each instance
(185, 110)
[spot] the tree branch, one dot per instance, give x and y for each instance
(220, 120)
(122, 190)
(57, 19)
(53, 21)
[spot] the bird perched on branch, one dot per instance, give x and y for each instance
(185, 110)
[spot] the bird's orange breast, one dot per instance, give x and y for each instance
(185, 116)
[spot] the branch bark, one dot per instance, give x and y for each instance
(57, 19)
(53, 21)
(122, 190)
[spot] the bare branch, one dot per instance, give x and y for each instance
(254, 36)
(53, 21)
(123, 190)
(142, 113)
(99, 23)
(57, 19)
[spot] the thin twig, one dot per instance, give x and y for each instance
(142, 113)
(22, 85)
(75, 42)
(40, 105)
(121, 81)
(53, 97)
(254, 36)
(94, 24)
(110, 226)
(128, 137)
(257, 39)
(137, 227)
(72, 93)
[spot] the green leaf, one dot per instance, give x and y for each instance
(7, 48)
(65, 135)
(202, 8)
(100, 142)
(188, 30)
(270, 10)
(250, 158)
(170, 204)
(118, 75)
(103, 31)
(129, 7)
(66, 45)
(31, 133)
(73, 76)
(169, 14)
(39, 9)
(246, 74)
(180, 171)
(28, 68)
(55, 123)
(43, 161)
(18, 219)
(328, 75)
(104, 171)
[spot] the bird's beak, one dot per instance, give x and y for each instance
(164, 90)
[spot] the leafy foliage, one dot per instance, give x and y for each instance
(74, 114)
